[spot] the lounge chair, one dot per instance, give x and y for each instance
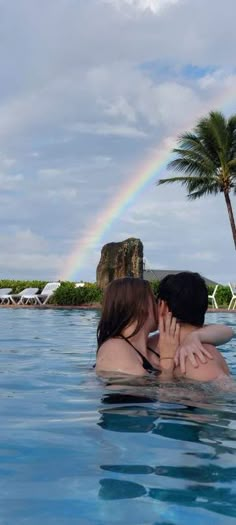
(232, 303)
(24, 297)
(212, 297)
(47, 292)
(4, 295)
(28, 296)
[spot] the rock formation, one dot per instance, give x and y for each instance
(120, 259)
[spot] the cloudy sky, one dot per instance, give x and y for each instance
(89, 90)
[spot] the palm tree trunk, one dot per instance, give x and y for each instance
(231, 215)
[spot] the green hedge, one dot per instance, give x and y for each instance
(68, 295)
(155, 287)
(223, 295)
(18, 286)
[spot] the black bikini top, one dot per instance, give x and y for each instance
(146, 364)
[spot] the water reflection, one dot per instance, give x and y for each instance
(128, 419)
(219, 500)
(196, 464)
(112, 489)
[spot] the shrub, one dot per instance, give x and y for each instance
(155, 287)
(18, 286)
(223, 295)
(68, 295)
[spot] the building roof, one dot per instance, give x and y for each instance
(158, 275)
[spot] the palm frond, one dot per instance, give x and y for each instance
(231, 128)
(218, 126)
(204, 131)
(194, 184)
(203, 192)
(194, 143)
(206, 157)
(190, 165)
(207, 183)
(172, 180)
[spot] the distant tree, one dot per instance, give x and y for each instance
(207, 158)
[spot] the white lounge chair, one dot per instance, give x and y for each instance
(4, 295)
(28, 296)
(47, 292)
(24, 297)
(79, 285)
(232, 303)
(212, 297)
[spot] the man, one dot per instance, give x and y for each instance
(185, 295)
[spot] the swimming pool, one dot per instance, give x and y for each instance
(73, 453)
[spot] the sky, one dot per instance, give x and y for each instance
(90, 90)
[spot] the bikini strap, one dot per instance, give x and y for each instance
(153, 351)
(146, 364)
(131, 344)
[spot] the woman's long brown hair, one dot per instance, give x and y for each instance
(125, 301)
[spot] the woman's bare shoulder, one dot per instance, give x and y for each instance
(111, 344)
(117, 355)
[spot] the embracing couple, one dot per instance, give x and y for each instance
(183, 346)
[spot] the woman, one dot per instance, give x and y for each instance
(129, 314)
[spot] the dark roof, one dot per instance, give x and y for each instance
(158, 275)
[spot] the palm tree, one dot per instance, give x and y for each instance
(207, 159)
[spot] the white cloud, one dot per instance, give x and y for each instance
(108, 129)
(7, 163)
(10, 182)
(26, 254)
(63, 194)
(80, 114)
(120, 107)
(50, 173)
(34, 154)
(155, 6)
(201, 256)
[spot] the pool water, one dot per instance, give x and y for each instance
(74, 452)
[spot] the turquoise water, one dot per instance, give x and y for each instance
(72, 452)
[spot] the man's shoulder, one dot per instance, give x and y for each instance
(216, 354)
(210, 370)
(211, 349)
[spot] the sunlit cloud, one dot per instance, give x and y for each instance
(155, 6)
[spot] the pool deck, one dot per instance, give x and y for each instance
(92, 306)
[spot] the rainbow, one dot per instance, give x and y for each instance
(147, 172)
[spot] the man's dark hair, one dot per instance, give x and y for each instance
(186, 296)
